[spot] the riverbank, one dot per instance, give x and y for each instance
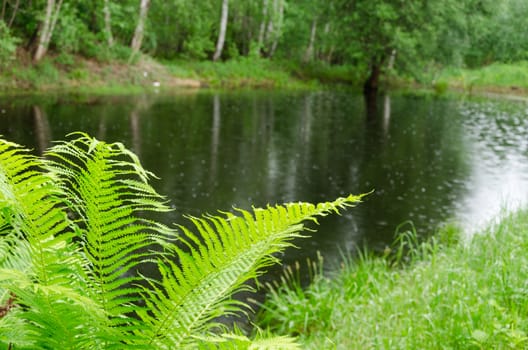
(470, 295)
(77, 74)
(496, 78)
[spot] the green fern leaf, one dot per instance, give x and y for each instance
(31, 210)
(39, 263)
(78, 278)
(237, 341)
(215, 262)
(108, 190)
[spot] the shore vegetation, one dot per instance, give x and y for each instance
(445, 293)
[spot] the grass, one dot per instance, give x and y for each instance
(63, 71)
(471, 295)
(496, 77)
(241, 72)
(54, 74)
(101, 69)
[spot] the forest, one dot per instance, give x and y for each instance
(412, 38)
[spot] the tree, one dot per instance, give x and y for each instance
(46, 28)
(262, 27)
(373, 29)
(301, 28)
(308, 55)
(14, 11)
(222, 31)
(275, 26)
(108, 23)
(137, 39)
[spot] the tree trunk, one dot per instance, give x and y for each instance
(325, 52)
(108, 23)
(268, 33)
(372, 83)
(4, 5)
(223, 28)
(308, 55)
(13, 14)
(46, 29)
(137, 40)
(278, 27)
(262, 29)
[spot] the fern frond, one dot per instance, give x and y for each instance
(216, 261)
(74, 237)
(108, 192)
(14, 327)
(56, 317)
(230, 341)
(32, 212)
(38, 254)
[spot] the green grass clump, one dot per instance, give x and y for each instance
(459, 296)
(499, 75)
(329, 74)
(240, 72)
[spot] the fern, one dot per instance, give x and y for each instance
(75, 235)
(225, 252)
(108, 189)
(39, 264)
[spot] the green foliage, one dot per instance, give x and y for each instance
(468, 295)
(191, 32)
(76, 239)
(42, 74)
(329, 74)
(70, 31)
(498, 76)
(245, 71)
(346, 33)
(305, 312)
(79, 74)
(8, 45)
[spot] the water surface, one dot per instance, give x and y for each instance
(429, 161)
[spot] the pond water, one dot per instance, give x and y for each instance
(428, 160)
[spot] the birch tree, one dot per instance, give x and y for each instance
(108, 23)
(222, 33)
(46, 28)
(137, 40)
(262, 29)
(278, 6)
(308, 55)
(270, 28)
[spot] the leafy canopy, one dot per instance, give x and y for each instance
(75, 237)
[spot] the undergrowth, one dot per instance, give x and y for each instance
(440, 294)
(240, 72)
(499, 75)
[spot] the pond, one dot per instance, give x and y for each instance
(429, 160)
